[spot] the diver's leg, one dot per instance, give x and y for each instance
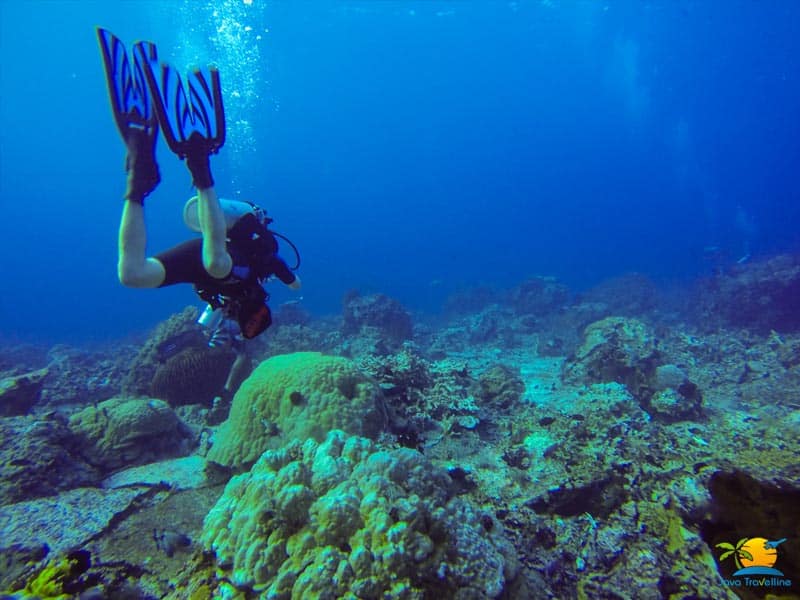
(238, 367)
(221, 405)
(216, 260)
(134, 268)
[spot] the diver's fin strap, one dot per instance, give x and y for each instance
(127, 87)
(183, 114)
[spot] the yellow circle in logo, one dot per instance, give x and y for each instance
(762, 556)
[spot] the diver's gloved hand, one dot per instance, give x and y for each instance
(140, 163)
(198, 152)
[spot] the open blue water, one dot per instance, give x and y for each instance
(409, 147)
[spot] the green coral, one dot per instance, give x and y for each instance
(297, 396)
(344, 519)
(60, 579)
(122, 431)
(49, 583)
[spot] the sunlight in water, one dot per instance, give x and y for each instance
(224, 34)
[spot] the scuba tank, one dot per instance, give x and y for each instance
(250, 243)
(232, 209)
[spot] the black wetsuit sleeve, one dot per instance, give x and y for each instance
(278, 266)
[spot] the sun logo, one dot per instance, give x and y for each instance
(753, 556)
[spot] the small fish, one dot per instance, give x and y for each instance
(170, 541)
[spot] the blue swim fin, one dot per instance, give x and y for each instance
(198, 113)
(127, 87)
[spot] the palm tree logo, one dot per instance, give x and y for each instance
(753, 556)
(737, 551)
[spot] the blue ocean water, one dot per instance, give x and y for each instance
(409, 147)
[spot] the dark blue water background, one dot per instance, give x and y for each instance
(409, 147)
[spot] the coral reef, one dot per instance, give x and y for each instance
(388, 321)
(470, 300)
(593, 459)
(125, 431)
(345, 519)
(79, 377)
(292, 313)
(405, 380)
(625, 350)
(297, 396)
(18, 357)
(759, 295)
(37, 459)
(194, 375)
(286, 339)
(498, 388)
(615, 349)
(630, 295)
(538, 296)
(60, 579)
(180, 331)
(19, 393)
(495, 325)
(447, 341)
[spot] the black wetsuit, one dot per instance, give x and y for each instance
(184, 264)
(253, 250)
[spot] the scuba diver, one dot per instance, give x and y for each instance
(237, 252)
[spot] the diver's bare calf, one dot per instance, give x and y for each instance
(137, 270)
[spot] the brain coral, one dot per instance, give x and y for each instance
(344, 519)
(297, 396)
(125, 431)
(142, 369)
(193, 376)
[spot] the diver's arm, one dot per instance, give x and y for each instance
(216, 260)
(282, 271)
